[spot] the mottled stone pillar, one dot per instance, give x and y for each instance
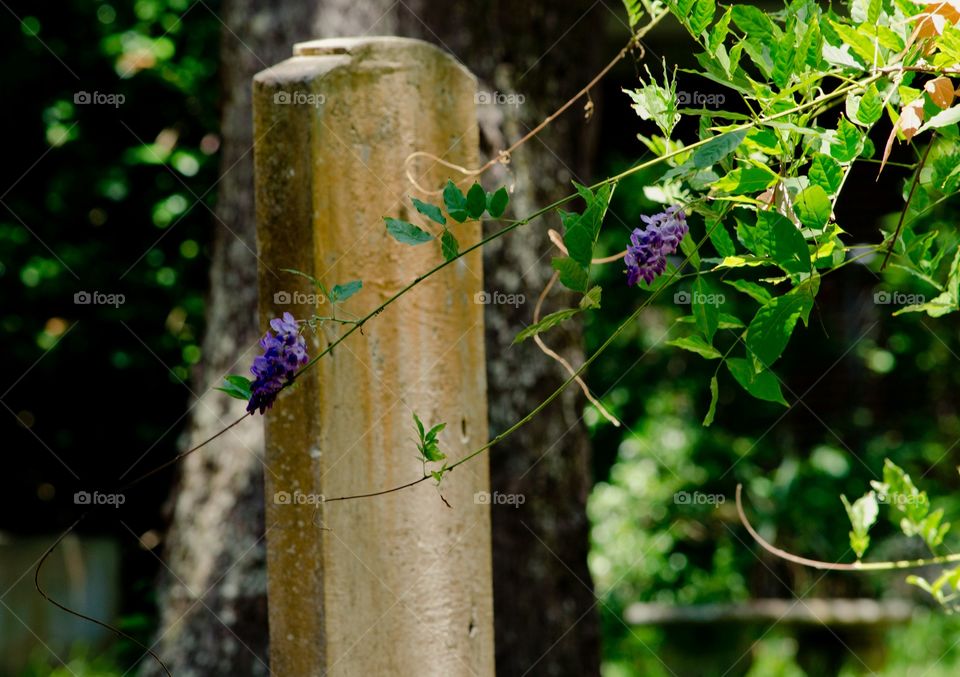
(397, 584)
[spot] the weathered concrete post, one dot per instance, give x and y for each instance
(397, 584)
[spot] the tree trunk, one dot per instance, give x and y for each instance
(213, 596)
(544, 615)
(213, 603)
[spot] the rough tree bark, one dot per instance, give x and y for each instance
(213, 603)
(543, 595)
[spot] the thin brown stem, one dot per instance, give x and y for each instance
(906, 207)
(837, 566)
(43, 593)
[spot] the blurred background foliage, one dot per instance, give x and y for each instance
(863, 386)
(89, 389)
(112, 143)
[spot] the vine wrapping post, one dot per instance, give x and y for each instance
(325, 176)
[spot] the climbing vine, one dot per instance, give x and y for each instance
(748, 208)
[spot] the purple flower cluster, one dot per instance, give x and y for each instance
(282, 355)
(647, 253)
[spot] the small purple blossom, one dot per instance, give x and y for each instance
(283, 354)
(647, 253)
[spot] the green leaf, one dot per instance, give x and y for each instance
(591, 300)
(755, 23)
(341, 292)
(432, 212)
(580, 230)
(476, 201)
(548, 322)
(889, 38)
(718, 148)
(704, 306)
(449, 246)
(432, 453)
(858, 10)
(810, 48)
(784, 61)
(863, 514)
(938, 306)
(744, 180)
(718, 33)
(949, 44)
(576, 238)
(696, 344)
(764, 140)
(428, 446)
(689, 248)
(871, 106)
(847, 145)
(434, 431)
(813, 207)
(634, 11)
(899, 491)
(826, 173)
(497, 202)
(726, 321)
(749, 236)
(572, 274)
(702, 17)
(455, 202)
(946, 302)
(944, 118)
(783, 242)
(860, 44)
(720, 238)
(770, 330)
(237, 387)
(714, 396)
(751, 289)
(763, 386)
(405, 232)
(741, 261)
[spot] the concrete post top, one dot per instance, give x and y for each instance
(315, 57)
(376, 45)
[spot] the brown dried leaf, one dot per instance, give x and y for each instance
(910, 120)
(941, 92)
(766, 197)
(934, 18)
